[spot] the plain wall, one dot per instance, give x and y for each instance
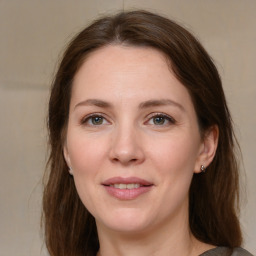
(33, 34)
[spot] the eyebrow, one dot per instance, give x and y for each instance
(94, 102)
(162, 102)
(142, 105)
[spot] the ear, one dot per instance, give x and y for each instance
(208, 148)
(67, 158)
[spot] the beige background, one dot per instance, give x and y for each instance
(32, 36)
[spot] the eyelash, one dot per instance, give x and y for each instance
(168, 118)
(90, 117)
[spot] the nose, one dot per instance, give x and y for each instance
(126, 146)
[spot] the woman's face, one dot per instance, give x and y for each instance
(133, 141)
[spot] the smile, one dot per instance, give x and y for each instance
(127, 188)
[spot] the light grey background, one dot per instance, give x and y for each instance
(32, 36)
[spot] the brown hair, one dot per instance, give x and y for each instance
(69, 228)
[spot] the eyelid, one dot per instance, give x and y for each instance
(85, 119)
(169, 118)
(160, 114)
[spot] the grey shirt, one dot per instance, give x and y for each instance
(224, 251)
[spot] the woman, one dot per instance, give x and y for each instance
(142, 158)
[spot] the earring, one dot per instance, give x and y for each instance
(202, 168)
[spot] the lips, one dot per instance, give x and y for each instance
(127, 188)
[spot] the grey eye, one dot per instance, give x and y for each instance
(159, 120)
(97, 120)
(94, 120)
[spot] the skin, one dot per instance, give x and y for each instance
(131, 137)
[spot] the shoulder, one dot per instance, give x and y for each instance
(240, 252)
(225, 251)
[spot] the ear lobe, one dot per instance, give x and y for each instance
(67, 159)
(66, 155)
(208, 148)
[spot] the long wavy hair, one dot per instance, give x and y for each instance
(69, 228)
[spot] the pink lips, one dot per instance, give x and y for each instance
(127, 193)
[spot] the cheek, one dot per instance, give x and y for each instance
(174, 161)
(86, 154)
(87, 158)
(174, 154)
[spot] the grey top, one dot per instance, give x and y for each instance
(224, 251)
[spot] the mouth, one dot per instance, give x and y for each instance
(127, 188)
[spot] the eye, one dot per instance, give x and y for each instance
(94, 120)
(160, 120)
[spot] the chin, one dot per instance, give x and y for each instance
(126, 221)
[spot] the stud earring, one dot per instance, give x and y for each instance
(202, 168)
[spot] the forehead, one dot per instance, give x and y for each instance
(125, 72)
(123, 58)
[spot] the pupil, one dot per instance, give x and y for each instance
(97, 120)
(159, 120)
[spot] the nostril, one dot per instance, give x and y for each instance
(125, 161)
(128, 161)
